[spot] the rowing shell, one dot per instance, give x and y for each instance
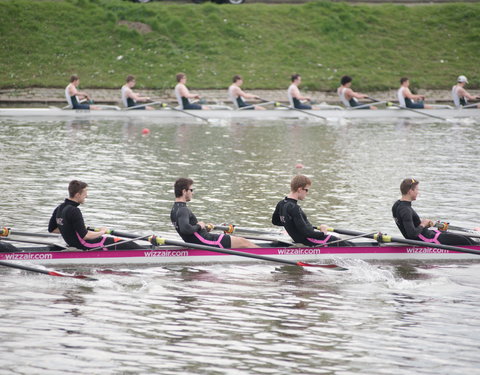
(177, 255)
(222, 114)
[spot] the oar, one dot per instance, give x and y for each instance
(385, 238)
(5, 232)
(163, 241)
(443, 226)
(416, 111)
(264, 103)
(38, 242)
(141, 105)
(165, 105)
(390, 104)
(368, 104)
(45, 272)
(229, 229)
(348, 238)
(470, 105)
(278, 104)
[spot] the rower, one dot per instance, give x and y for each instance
(193, 231)
(67, 219)
(183, 94)
(348, 97)
(414, 228)
(236, 95)
(294, 97)
(290, 215)
(129, 98)
(407, 99)
(74, 96)
(460, 95)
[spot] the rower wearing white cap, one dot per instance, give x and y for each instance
(407, 99)
(460, 95)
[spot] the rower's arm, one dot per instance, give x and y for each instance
(406, 217)
(408, 94)
(92, 235)
(138, 98)
(464, 93)
(301, 222)
(52, 224)
(183, 222)
(243, 94)
(276, 217)
(357, 95)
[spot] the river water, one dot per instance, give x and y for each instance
(261, 318)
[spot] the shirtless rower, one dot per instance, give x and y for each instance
(348, 97)
(460, 95)
(414, 228)
(291, 216)
(129, 98)
(294, 97)
(67, 219)
(74, 96)
(183, 94)
(193, 231)
(236, 94)
(409, 100)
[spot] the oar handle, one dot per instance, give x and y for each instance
(6, 231)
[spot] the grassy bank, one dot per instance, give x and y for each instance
(43, 42)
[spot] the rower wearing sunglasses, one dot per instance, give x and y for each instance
(290, 215)
(193, 231)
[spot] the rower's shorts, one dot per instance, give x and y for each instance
(246, 105)
(303, 106)
(82, 106)
(192, 106)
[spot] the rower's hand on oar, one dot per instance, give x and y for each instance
(209, 227)
(323, 228)
(426, 223)
(203, 225)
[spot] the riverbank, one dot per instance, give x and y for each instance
(44, 42)
(56, 96)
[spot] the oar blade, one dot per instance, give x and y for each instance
(61, 274)
(44, 272)
(334, 267)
